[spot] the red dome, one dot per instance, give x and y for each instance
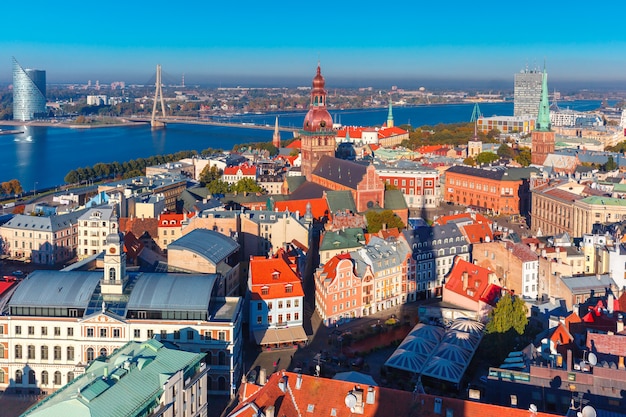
(317, 119)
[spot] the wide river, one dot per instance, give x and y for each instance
(42, 156)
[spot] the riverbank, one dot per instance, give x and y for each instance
(40, 123)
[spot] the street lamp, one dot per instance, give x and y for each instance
(35, 188)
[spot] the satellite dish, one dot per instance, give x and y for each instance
(588, 411)
(350, 401)
(592, 358)
(532, 408)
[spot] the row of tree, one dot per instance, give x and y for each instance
(11, 187)
(445, 134)
(128, 169)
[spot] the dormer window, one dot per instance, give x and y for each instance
(265, 290)
(275, 275)
(288, 288)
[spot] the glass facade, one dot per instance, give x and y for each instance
(29, 93)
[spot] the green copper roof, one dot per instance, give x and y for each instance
(543, 118)
(104, 391)
(390, 115)
(349, 238)
(604, 201)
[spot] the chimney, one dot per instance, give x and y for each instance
(299, 381)
(262, 376)
(569, 360)
(620, 363)
(282, 383)
(269, 411)
(371, 395)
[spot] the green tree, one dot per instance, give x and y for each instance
(524, 157)
(493, 134)
(246, 185)
(376, 220)
(469, 161)
(218, 187)
(210, 174)
(610, 164)
(505, 151)
(486, 158)
(71, 177)
(389, 186)
(509, 313)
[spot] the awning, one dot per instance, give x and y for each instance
(278, 336)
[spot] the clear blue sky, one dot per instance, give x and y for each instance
(210, 40)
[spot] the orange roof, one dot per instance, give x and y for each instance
(276, 276)
(327, 397)
(330, 267)
(374, 146)
(478, 233)
(387, 132)
(474, 217)
(429, 148)
(296, 144)
(319, 206)
(172, 219)
(354, 131)
(477, 279)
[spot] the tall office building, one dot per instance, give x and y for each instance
(29, 93)
(527, 93)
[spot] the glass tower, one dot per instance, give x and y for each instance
(29, 93)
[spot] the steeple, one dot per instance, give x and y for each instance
(276, 137)
(543, 118)
(390, 115)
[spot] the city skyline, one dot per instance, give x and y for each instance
(215, 43)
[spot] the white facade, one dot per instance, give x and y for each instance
(530, 279)
(93, 228)
(617, 265)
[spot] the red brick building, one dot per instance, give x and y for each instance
(420, 187)
(501, 191)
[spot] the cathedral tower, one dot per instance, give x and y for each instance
(542, 137)
(317, 134)
(276, 137)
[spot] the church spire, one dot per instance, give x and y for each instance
(543, 118)
(276, 137)
(390, 115)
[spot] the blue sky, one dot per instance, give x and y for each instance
(211, 40)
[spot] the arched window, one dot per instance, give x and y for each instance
(31, 352)
(18, 376)
(1, 351)
(221, 383)
(44, 352)
(103, 352)
(18, 351)
(57, 353)
(111, 274)
(57, 378)
(1, 376)
(221, 358)
(70, 377)
(89, 354)
(44, 378)
(31, 377)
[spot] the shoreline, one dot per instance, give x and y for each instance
(67, 125)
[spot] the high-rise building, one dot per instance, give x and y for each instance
(542, 140)
(29, 93)
(317, 134)
(527, 93)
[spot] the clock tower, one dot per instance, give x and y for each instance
(317, 135)
(114, 265)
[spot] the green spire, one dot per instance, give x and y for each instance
(390, 115)
(543, 118)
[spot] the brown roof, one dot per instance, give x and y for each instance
(139, 227)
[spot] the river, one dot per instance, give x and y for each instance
(41, 156)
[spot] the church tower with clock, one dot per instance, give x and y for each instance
(317, 135)
(114, 265)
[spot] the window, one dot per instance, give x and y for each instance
(57, 331)
(44, 331)
(270, 305)
(70, 331)
(70, 377)
(176, 334)
(150, 334)
(288, 316)
(57, 378)
(90, 354)
(18, 376)
(259, 306)
(296, 303)
(18, 329)
(280, 304)
(44, 353)
(289, 289)
(190, 334)
(116, 332)
(103, 332)
(296, 316)
(18, 351)
(70, 353)
(288, 303)
(269, 319)
(31, 330)
(137, 333)
(57, 353)
(221, 335)
(90, 332)
(103, 352)
(265, 291)
(163, 334)
(44, 378)
(259, 319)
(31, 352)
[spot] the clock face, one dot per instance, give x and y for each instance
(112, 250)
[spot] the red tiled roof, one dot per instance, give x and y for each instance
(6, 284)
(171, 219)
(275, 275)
(474, 217)
(319, 206)
(374, 146)
(330, 267)
(140, 227)
(478, 233)
(477, 279)
(296, 144)
(387, 132)
(327, 397)
(249, 170)
(522, 252)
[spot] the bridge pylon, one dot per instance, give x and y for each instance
(158, 94)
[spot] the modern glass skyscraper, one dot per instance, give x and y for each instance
(527, 93)
(29, 93)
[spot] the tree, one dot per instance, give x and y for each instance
(469, 161)
(389, 186)
(493, 134)
(524, 158)
(509, 313)
(610, 164)
(246, 185)
(376, 220)
(486, 158)
(505, 151)
(210, 174)
(218, 187)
